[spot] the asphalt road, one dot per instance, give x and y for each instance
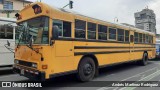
(123, 72)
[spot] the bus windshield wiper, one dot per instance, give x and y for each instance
(19, 39)
(29, 45)
(32, 48)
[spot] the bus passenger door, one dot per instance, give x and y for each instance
(64, 56)
(131, 45)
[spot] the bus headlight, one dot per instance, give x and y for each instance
(16, 62)
(34, 65)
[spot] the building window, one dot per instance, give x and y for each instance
(91, 30)
(136, 37)
(120, 35)
(8, 5)
(102, 32)
(143, 16)
(6, 32)
(64, 28)
(1, 1)
(80, 29)
(112, 33)
(126, 36)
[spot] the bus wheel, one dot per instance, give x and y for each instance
(86, 69)
(144, 60)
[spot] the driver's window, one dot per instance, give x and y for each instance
(39, 36)
(59, 24)
(64, 28)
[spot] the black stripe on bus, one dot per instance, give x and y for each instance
(104, 41)
(96, 47)
(103, 47)
(107, 52)
(84, 40)
(144, 47)
(146, 43)
(104, 52)
(141, 50)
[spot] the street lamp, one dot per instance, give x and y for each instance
(70, 4)
(115, 19)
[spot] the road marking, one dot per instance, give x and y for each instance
(105, 88)
(142, 76)
(147, 78)
(139, 74)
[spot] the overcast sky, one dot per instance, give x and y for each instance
(109, 9)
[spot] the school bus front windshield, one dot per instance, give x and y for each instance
(36, 29)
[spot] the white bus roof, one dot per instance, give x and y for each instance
(11, 21)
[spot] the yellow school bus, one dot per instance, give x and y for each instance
(51, 42)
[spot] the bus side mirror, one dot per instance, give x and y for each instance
(8, 43)
(55, 33)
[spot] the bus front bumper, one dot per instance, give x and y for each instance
(29, 73)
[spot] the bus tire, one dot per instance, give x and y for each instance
(86, 69)
(144, 60)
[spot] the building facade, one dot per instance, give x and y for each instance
(146, 20)
(8, 8)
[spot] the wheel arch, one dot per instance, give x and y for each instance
(91, 56)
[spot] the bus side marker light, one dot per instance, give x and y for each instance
(44, 66)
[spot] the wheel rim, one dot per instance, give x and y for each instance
(87, 69)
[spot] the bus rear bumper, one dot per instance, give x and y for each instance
(29, 73)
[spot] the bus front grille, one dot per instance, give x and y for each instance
(24, 63)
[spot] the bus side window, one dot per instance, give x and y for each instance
(66, 29)
(136, 37)
(120, 35)
(112, 33)
(80, 29)
(91, 29)
(131, 38)
(126, 36)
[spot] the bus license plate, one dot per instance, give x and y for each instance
(22, 71)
